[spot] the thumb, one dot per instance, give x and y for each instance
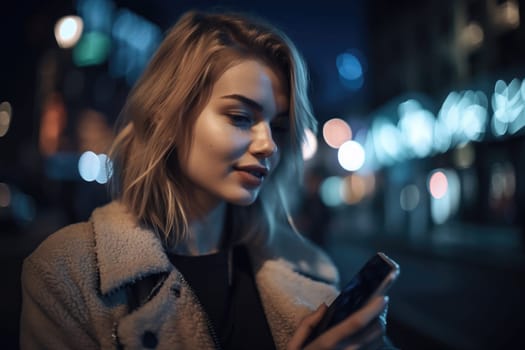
(305, 327)
(317, 315)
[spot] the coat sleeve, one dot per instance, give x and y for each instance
(53, 314)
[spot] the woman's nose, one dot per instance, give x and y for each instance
(263, 144)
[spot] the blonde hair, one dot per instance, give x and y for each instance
(160, 113)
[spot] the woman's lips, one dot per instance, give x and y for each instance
(252, 175)
(249, 179)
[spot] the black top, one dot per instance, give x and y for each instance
(235, 311)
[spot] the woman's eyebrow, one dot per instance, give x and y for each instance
(251, 103)
(245, 100)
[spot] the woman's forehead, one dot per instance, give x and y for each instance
(255, 81)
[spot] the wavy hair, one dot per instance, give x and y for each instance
(161, 109)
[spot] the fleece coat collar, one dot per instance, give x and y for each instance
(120, 259)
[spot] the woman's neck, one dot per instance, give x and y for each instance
(205, 233)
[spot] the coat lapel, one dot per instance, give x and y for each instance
(293, 278)
(125, 251)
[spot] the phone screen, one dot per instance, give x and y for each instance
(374, 278)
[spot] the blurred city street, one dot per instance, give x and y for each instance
(459, 295)
(419, 152)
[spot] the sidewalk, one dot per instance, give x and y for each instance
(461, 288)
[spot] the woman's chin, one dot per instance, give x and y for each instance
(245, 199)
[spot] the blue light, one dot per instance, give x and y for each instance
(509, 107)
(349, 66)
(417, 128)
(136, 39)
(465, 116)
(136, 31)
(388, 146)
(89, 166)
(97, 14)
(106, 167)
(23, 207)
(409, 197)
(442, 137)
(92, 49)
(351, 155)
(331, 190)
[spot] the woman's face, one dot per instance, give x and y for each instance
(236, 137)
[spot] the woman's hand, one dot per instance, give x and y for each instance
(361, 328)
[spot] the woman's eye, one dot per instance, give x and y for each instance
(240, 120)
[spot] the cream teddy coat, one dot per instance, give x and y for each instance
(74, 288)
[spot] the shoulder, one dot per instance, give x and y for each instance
(60, 296)
(69, 240)
(69, 251)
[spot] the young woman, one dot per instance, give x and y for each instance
(197, 250)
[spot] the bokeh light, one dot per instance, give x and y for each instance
(348, 66)
(89, 166)
(336, 132)
(508, 104)
(417, 128)
(438, 184)
(52, 124)
(5, 117)
(464, 116)
(445, 189)
(309, 147)
(502, 182)
(409, 197)
(354, 189)
(21, 205)
(105, 169)
(68, 31)
(331, 191)
(351, 156)
(5, 195)
(471, 37)
(95, 167)
(93, 131)
(134, 41)
(387, 141)
(464, 156)
(507, 15)
(92, 49)
(351, 66)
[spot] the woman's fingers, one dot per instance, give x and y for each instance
(383, 315)
(305, 327)
(370, 338)
(363, 316)
(353, 324)
(351, 333)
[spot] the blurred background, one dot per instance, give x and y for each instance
(420, 151)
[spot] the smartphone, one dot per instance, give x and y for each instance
(374, 279)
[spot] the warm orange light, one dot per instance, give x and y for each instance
(438, 184)
(354, 189)
(336, 132)
(93, 132)
(53, 122)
